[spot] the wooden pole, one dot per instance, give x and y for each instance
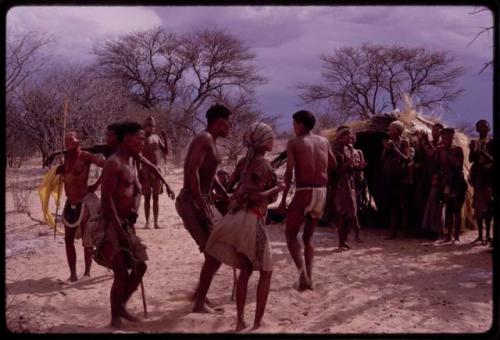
(144, 300)
(65, 114)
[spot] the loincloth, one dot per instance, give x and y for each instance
(317, 204)
(198, 227)
(73, 216)
(134, 252)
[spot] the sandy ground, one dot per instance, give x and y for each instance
(380, 286)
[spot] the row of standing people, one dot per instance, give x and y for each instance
(421, 184)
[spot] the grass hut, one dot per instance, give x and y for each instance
(371, 132)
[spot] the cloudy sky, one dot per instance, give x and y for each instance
(288, 40)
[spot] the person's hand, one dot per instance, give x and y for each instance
(362, 164)
(389, 144)
(170, 193)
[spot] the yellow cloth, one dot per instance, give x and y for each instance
(51, 186)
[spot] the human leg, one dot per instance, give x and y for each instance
(120, 280)
(134, 279)
(147, 199)
(241, 292)
(262, 295)
(87, 249)
(308, 247)
(156, 210)
(208, 270)
(69, 242)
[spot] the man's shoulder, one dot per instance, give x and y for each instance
(112, 161)
(203, 137)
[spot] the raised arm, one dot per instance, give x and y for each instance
(50, 158)
(93, 159)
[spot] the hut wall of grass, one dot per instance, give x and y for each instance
(370, 134)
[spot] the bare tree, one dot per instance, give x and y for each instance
(38, 109)
(484, 29)
(177, 73)
(23, 57)
(242, 105)
(362, 81)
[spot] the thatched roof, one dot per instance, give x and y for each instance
(414, 121)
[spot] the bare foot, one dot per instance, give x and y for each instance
(146, 226)
(206, 309)
(255, 326)
(344, 245)
(116, 322)
(157, 226)
(304, 282)
(72, 278)
(125, 314)
(240, 325)
(478, 239)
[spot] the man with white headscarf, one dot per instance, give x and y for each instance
(395, 158)
(239, 239)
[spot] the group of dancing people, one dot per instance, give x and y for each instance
(238, 238)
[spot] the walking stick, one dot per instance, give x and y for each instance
(234, 284)
(144, 300)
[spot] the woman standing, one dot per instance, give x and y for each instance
(240, 239)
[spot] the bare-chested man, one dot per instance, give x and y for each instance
(82, 205)
(110, 148)
(117, 246)
(454, 185)
(193, 202)
(151, 184)
(310, 157)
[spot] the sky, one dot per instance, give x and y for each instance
(288, 41)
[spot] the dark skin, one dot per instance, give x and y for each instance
(483, 128)
(344, 224)
(308, 156)
(451, 157)
(265, 276)
(76, 169)
(404, 155)
(120, 187)
(200, 165)
(107, 150)
(154, 146)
